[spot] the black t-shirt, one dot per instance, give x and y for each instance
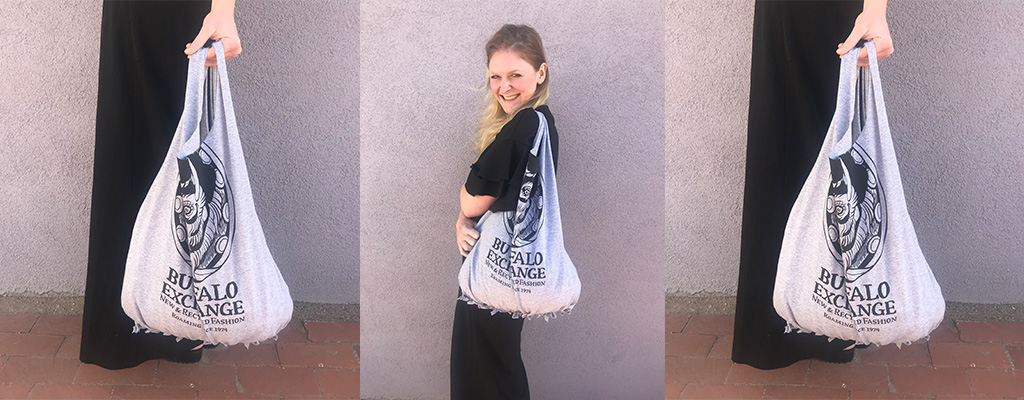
(502, 164)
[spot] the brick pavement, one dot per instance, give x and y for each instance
(963, 360)
(310, 360)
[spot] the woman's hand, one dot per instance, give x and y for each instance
(219, 24)
(871, 25)
(465, 234)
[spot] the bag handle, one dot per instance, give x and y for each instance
(846, 103)
(195, 101)
(220, 97)
(861, 88)
(877, 107)
(227, 111)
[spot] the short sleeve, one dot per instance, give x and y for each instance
(497, 165)
(492, 171)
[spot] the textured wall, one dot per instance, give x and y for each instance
(47, 124)
(707, 83)
(954, 106)
(420, 67)
(296, 102)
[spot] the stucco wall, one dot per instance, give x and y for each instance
(954, 106)
(296, 96)
(421, 65)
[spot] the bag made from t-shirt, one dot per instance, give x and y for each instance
(198, 264)
(519, 264)
(850, 266)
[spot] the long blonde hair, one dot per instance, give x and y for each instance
(525, 41)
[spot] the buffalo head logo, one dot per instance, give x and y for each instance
(855, 215)
(203, 213)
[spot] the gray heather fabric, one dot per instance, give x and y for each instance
(850, 266)
(519, 264)
(198, 266)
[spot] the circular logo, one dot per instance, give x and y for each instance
(203, 213)
(855, 213)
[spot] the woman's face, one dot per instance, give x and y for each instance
(513, 80)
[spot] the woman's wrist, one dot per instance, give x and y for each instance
(874, 7)
(222, 6)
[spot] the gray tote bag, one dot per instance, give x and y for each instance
(519, 264)
(198, 266)
(850, 266)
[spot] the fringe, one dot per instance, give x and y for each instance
(142, 328)
(517, 313)
(899, 345)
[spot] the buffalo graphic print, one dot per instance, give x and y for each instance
(855, 213)
(203, 213)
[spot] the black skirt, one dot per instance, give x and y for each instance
(486, 359)
(793, 86)
(141, 95)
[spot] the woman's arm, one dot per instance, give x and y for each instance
(465, 229)
(475, 206)
(871, 25)
(219, 24)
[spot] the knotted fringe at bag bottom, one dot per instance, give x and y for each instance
(516, 313)
(790, 328)
(140, 328)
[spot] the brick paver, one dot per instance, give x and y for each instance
(962, 360)
(678, 344)
(39, 360)
(17, 323)
(337, 332)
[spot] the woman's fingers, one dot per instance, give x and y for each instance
(466, 238)
(232, 48)
(466, 246)
(851, 41)
(883, 46)
(200, 40)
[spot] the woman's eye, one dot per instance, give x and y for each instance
(516, 75)
(495, 77)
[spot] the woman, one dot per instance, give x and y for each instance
(140, 99)
(485, 361)
(793, 89)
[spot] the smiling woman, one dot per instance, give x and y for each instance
(486, 362)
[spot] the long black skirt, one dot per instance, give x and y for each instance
(141, 95)
(486, 360)
(793, 86)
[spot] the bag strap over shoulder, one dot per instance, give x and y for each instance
(532, 180)
(542, 133)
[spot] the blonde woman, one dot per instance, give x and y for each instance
(485, 361)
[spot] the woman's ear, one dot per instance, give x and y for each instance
(542, 73)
